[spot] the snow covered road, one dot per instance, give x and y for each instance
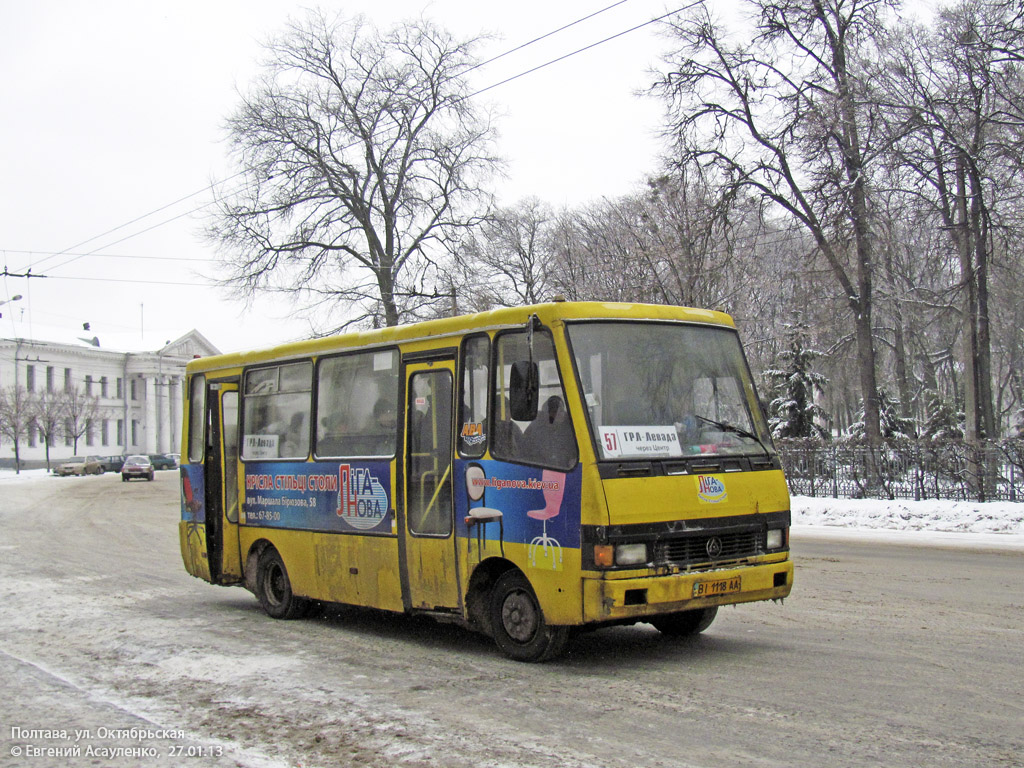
(884, 655)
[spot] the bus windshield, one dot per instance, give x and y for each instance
(662, 390)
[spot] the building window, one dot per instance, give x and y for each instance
(69, 432)
(120, 389)
(135, 430)
(131, 385)
(32, 434)
(90, 433)
(67, 379)
(30, 378)
(88, 385)
(49, 378)
(104, 389)
(105, 432)
(120, 427)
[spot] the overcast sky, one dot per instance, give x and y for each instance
(115, 110)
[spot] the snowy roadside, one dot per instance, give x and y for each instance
(932, 522)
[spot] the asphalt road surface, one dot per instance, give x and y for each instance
(884, 655)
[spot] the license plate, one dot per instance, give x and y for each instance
(720, 587)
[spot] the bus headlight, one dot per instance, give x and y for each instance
(776, 537)
(630, 554)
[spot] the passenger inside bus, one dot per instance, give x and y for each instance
(506, 434)
(549, 440)
(382, 443)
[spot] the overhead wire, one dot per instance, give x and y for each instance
(472, 95)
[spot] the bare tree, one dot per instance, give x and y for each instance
(80, 411)
(510, 257)
(48, 413)
(361, 156)
(785, 115)
(15, 418)
(691, 234)
(961, 89)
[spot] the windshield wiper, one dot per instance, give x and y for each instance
(727, 427)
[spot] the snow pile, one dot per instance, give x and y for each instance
(908, 515)
(9, 476)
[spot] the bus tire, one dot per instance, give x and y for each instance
(685, 623)
(274, 589)
(517, 621)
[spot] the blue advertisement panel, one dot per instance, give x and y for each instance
(538, 507)
(193, 493)
(351, 497)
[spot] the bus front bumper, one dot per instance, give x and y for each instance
(614, 599)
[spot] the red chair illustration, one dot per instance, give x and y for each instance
(553, 488)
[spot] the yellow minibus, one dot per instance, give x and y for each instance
(524, 472)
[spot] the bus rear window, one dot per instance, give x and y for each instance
(197, 419)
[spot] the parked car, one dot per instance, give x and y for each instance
(137, 466)
(112, 463)
(79, 465)
(176, 458)
(162, 461)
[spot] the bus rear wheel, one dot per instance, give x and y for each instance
(518, 622)
(685, 623)
(274, 589)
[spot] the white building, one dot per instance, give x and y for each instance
(140, 394)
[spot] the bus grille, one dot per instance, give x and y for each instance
(694, 550)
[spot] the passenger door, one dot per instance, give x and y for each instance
(221, 476)
(430, 554)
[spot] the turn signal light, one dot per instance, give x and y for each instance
(604, 555)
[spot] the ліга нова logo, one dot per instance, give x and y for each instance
(711, 489)
(362, 500)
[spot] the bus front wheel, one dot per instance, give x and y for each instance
(518, 621)
(685, 623)
(274, 589)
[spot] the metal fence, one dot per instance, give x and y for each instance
(991, 470)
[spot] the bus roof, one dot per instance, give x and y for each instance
(505, 317)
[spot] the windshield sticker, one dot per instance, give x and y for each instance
(711, 489)
(646, 441)
(473, 434)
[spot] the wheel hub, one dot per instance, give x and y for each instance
(519, 617)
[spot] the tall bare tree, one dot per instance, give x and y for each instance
(48, 413)
(784, 114)
(510, 256)
(360, 157)
(80, 412)
(15, 418)
(960, 87)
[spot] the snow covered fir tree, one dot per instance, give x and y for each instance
(792, 411)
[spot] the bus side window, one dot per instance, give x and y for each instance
(357, 404)
(197, 419)
(549, 439)
(473, 426)
(277, 407)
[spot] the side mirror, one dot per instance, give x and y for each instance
(523, 390)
